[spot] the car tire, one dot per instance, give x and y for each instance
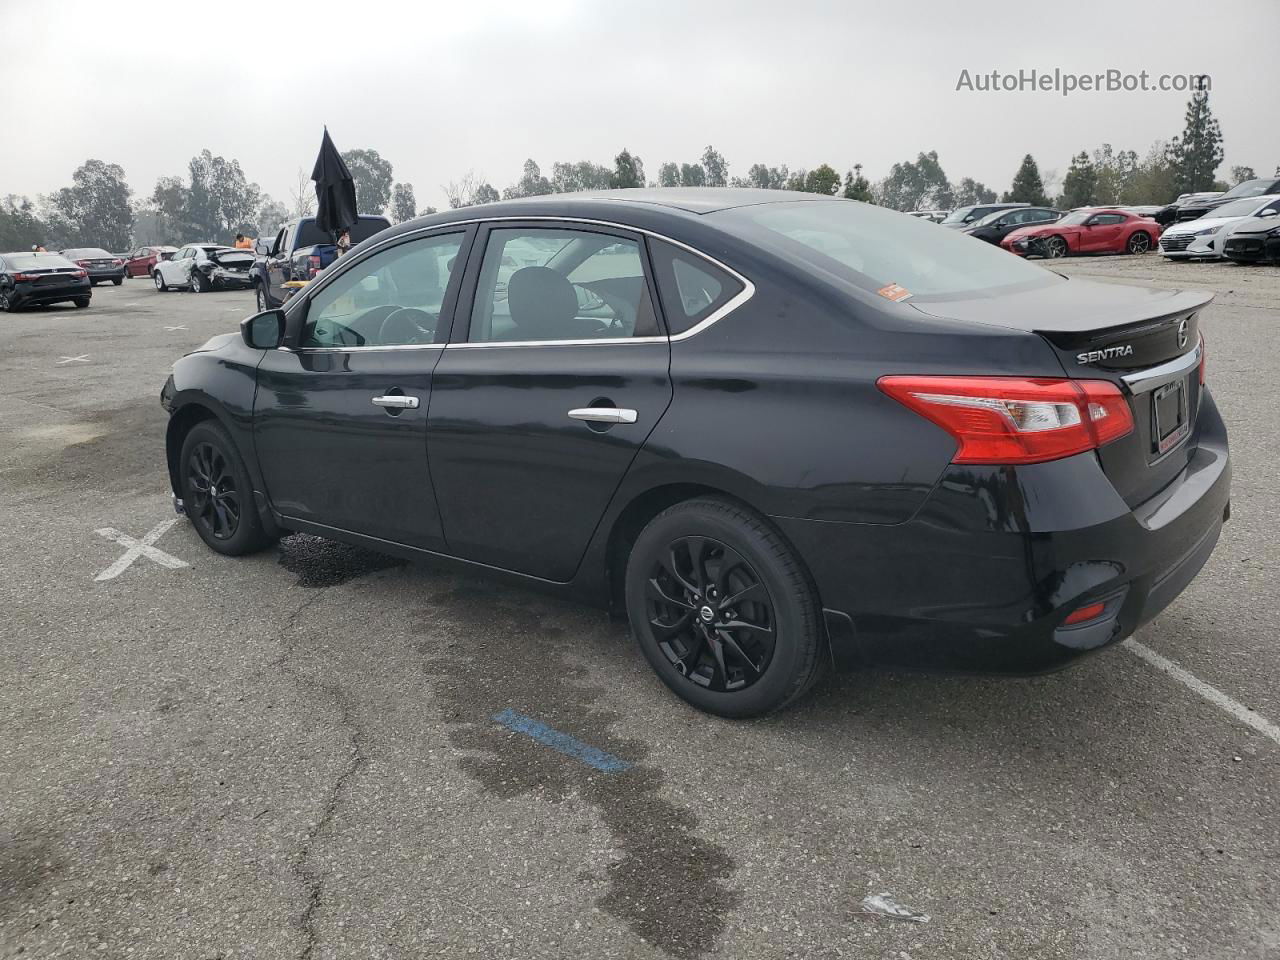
(81, 302)
(260, 296)
(6, 305)
(118, 281)
(217, 493)
(707, 562)
(1055, 247)
(1139, 243)
(158, 277)
(198, 284)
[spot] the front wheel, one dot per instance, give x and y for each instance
(159, 279)
(6, 305)
(722, 609)
(1140, 242)
(217, 492)
(261, 297)
(1055, 247)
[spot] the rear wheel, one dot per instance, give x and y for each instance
(1140, 242)
(159, 279)
(723, 610)
(6, 305)
(118, 280)
(1055, 247)
(198, 282)
(217, 492)
(81, 302)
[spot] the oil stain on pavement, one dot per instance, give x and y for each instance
(508, 650)
(317, 562)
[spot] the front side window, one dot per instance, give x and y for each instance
(559, 284)
(390, 299)
(1107, 219)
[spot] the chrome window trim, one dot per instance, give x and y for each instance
(1147, 380)
(746, 293)
(375, 349)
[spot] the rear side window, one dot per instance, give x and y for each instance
(692, 288)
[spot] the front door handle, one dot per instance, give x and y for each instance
(397, 402)
(603, 415)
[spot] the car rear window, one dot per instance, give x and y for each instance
(309, 235)
(88, 253)
(691, 287)
(36, 261)
(882, 251)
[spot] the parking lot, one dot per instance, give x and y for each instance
(296, 754)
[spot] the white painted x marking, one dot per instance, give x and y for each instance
(83, 358)
(138, 548)
(176, 328)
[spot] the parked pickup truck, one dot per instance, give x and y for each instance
(300, 251)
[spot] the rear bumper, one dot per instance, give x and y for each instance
(230, 278)
(26, 294)
(982, 578)
(116, 273)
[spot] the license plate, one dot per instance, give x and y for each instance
(1169, 404)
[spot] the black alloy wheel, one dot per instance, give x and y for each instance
(217, 492)
(711, 614)
(723, 610)
(215, 504)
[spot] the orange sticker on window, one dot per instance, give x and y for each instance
(894, 292)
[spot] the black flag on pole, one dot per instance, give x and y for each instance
(335, 190)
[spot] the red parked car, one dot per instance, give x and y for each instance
(141, 260)
(1093, 230)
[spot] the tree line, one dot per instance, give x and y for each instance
(215, 200)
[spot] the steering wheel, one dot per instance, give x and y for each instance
(407, 325)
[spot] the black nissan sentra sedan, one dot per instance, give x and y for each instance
(781, 431)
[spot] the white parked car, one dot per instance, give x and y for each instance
(1204, 238)
(204, 266)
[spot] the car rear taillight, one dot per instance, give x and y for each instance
(1090, 611)
(24, 277)
(82, 263)
(118, 262)
(80, 274)
(1016, 419)
(1204, 355)
(314, 266)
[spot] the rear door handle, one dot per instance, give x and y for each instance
(397, 401)
(604, 415)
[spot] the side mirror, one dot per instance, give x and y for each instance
(263, 331)
(1269, 212)
(262, 248)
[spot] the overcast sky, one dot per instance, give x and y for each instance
(442, 88)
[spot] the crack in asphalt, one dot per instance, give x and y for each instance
(311, 878)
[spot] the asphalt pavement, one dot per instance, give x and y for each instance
(321, 752)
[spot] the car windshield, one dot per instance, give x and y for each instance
(990, 218)
(87, 253)
(1075, 218)
(309, 235)
(1236, 208)
(958, 215)
(36, 261)
(1250, 188)
(875, 248)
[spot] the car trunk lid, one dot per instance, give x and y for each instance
(1144, 340)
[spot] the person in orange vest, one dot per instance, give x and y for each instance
(243, 242)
